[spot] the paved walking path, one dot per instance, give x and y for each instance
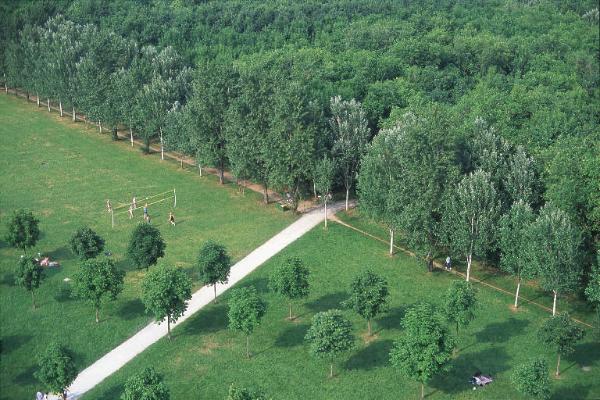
(115, 359)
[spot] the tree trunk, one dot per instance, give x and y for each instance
(247, 346)
(147, 145)
(422, 390)
(169, 327)
(37, 95)
(27, 96)
(347, 195)
(554, 304)
(369, 325)
(162, 149)
(215, 289)
(48, 105)
(131, 136)
(100, 126)
(517, 295)
(115, 135)
(429, 261)
(97, 315)
(60, 107)
(331, 370)
(558, 366)
(64, 394)
(325, 214)
(315, 189)
(290, 304)
(74, 115)
(221, 172)
(33, 299)
(266, 194)
(391, 242)
(469, 258)
(200, 170)
(5, 84)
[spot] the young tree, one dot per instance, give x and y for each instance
(241, 393)
(514, 227)
(472, 216)
(98, 281)
(561, 333)
(553, 250)
(425, 347)
(165, 292)
(290, 280)
(351, 135)
(368, 296)
(29, 275)
(56, 369)
(459, 303)
(245, 312)
(329, 335)
(23, 231)
(146, 385)
(592, 291)
(85, 243)
(146, 246)
(214, 264)
(532, 379)
(324, 175)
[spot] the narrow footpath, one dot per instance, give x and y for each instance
(119, 356)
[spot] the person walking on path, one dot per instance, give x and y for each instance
(448, 264)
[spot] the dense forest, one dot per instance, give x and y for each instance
(499, 92)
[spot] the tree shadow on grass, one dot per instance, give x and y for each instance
(585, 354)
(578, 391)
(8, 279)
(327, 302)
(131, 309)
(292, 336)
(64, 294)
(26, 376)
(13, 342)
(114, 391)
(260, 284)
(376, 354)
(500, 332)
(127, 265)
(213, 319)
(60, 254)
(392, 318)
(490, 361)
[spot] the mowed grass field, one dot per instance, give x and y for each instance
(204, 357)
(64, 173)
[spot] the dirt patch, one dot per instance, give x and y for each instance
(369, 339)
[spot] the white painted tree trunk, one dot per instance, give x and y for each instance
(391, 242)
(37, 95)
(325, 214)
(48, 105)
(554, 304)
(200, 170)
(347, 195)
(131, 136)
(100, 126)
(315, 189)
(162, 149)
(74, 115)
(517, 295)
(60, 107)
(469, 258)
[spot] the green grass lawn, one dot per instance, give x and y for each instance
(204, 357)
(64, 173)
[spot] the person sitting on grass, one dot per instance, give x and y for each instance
(171, 218)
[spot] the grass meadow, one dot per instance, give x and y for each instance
(64, 173)
(204, 357)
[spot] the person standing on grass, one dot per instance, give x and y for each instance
(448, 264)
(146, 217)
(134, 202)
(171, 218)
(130, 211)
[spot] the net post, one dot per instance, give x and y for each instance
(175, 201)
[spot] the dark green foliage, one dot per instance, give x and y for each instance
(290, 280)
(85, 243)
(146, 385)
(368, 296)
(56, 368)
(561, 333)
(23, 231)
(592, 291)
(241, 393)
(214, 264)
(425, 347)
(29, 275)
(98, 281)
(459, 303)
(146, 246)
(245, 312)
(165, 292)
(330, 335)
(532, 379)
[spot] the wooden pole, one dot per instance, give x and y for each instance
(175, 195)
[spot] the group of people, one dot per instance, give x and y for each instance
(133, 206)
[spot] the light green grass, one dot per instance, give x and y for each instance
(204, 357)
(64, 173)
